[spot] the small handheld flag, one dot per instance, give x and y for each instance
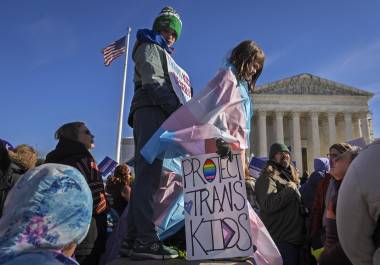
(107, 166)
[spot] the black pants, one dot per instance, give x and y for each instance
(334, 256)
(290, 253)
(92, 247)
(147, 178)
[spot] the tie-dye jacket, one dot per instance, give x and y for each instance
(48, 208)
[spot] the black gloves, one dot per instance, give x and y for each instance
(223, 149)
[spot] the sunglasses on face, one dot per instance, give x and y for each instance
(87, 131)
(336, 157)
(332, 156)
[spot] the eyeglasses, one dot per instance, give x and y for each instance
(339, 157)
(335, 157)
(332, 156)
(87, 131)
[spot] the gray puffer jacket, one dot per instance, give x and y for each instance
(152, 81)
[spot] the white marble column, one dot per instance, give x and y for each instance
(315, 135)
(263, 134)
(332, 128)
(356, 127)
(296, 135)
(280, 127)
(365, 127)
(370, 127)
(348, 125)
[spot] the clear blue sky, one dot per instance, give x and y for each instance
(51, 69)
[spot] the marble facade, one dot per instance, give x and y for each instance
(308, 113)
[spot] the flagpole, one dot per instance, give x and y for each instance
(121, 112)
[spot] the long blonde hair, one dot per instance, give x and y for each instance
(24, 155)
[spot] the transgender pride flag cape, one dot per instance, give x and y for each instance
(169, 218)
(221, 110)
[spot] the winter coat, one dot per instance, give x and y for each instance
(75, 154)
(250, 190)
(308, 190)
(358, 208)
(9, 178)
(152, 82)
(318, 209)
(321, 166)
(280, 206)
(115, 187)
(333, 252)
(49, 208)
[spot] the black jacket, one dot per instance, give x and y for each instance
(7, 180)
(75, 154)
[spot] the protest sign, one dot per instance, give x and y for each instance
(180, 80)
(216, 212)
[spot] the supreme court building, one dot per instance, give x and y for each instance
(308, 113)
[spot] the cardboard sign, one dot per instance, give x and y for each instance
(179, 79)
(216, 212)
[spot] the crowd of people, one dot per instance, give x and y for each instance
(303, 220)
(54, 211)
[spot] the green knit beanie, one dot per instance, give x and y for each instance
(168, 19)
(277, 147)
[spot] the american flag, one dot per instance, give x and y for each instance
(113, 50)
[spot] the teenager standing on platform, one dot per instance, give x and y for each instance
(153, 101)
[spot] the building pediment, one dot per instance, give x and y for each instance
(308, 84)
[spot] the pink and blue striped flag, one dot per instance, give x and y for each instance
(221, 110)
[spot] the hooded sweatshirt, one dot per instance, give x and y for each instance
(75, 154)
(321, 166)
(36, 224)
